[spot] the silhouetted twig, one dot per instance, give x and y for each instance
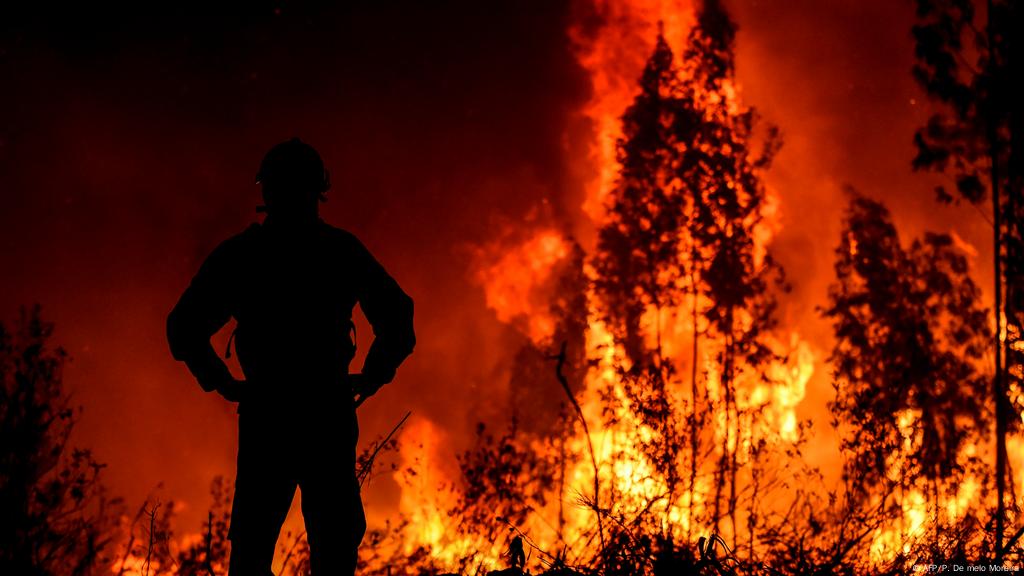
(152, 535)
(209, 545)
(291, 551)
(560, 357)
(364, 472)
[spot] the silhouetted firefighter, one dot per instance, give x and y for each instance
(291, 284)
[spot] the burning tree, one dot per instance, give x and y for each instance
(970, 69)
(639, 266)
(682, 230)
(908, 370)
(729, 195)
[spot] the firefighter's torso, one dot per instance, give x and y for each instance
(293, 293)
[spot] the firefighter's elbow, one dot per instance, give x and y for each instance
(174, 338)
(405, 304)
(409, 343)
(410, 336)
(177, 336)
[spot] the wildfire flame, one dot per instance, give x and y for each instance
(516, 274)
(515, 278)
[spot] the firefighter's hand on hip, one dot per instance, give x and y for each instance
(232, 390)
(363, 386)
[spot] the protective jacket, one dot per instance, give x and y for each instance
(292, 293)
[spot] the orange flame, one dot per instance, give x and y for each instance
(514, 278)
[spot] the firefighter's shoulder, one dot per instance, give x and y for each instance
(234, 248)
(341, 239)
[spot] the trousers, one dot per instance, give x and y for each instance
(311, 447)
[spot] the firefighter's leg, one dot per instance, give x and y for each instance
(331, 504)
(335, 525)
(264, 488)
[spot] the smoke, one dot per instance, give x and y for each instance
(129, 144)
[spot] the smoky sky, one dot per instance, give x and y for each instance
(130, 138)
(129, 143)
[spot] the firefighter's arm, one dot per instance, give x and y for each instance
(389, 310)
(198, 315)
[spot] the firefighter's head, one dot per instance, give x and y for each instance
(293, 179)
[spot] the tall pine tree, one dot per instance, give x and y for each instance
(725, 175)
(682, 222)
(969, 65)
(908, 360)
(638, 264)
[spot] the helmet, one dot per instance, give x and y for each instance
(295, 168)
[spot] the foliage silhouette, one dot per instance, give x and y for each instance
(969, 68)
(683, 219)
(56, 517)
(908, 361)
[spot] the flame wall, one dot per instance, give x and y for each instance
(129, 141)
